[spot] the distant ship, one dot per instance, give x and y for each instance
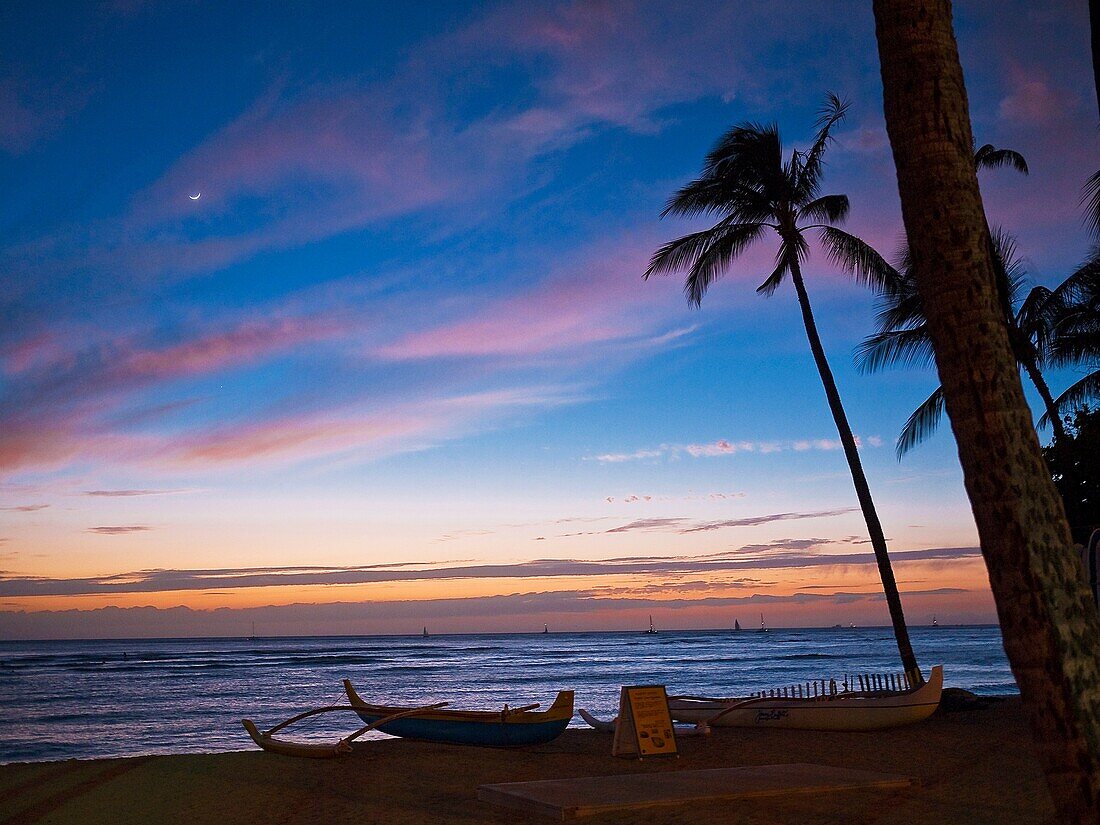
(546, 628)
(652, 629)
(934, 622)
(425, 633)
(736, 624)
(252, 638)
(763, 627)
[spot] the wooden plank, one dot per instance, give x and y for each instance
(569, 798)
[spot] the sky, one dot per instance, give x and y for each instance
(329, 317)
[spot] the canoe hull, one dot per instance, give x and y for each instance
(489, 734)
(485, 728)
(839, 713)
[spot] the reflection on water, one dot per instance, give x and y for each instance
(113, 698)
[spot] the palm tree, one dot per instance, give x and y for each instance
(903, 336)
(1076, 338)
(1048, 622)
(751, 189)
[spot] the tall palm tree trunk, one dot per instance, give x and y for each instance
(1049, 623)
(863, 489)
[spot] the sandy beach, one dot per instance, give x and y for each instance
(971, 766)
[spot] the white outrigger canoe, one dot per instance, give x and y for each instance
(843, 710)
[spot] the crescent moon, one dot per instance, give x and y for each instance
(195, 197)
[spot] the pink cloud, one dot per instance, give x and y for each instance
(329, 159)
(1031, 99)
(41, 349)
(405, 426)
(296, 436)
(33, 109)
(73, 391)
(358, 432)
(613, 63)
(242, 344)
(600, 298)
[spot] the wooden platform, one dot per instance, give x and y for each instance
(569, 798)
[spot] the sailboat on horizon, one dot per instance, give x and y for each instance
(736, 624)
(763, 627)
(425, 633)
(652, 629)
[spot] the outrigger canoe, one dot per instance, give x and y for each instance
(869, 709)
(505, 728)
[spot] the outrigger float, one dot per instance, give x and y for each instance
(865, 702)
(508, 727)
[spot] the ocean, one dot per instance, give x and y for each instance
(89, 699)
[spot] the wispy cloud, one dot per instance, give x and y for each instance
(755, 520)
(649, 524)
(646, 498)
(754, 557)
(128, 493)
(726, 447)
(593, 299)
(119, 530)
(26, 508)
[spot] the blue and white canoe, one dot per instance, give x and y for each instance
(505, 728)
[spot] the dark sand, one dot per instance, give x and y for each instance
(972, 766)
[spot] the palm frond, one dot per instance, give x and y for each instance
(831, 113)
(772, 282)
(1082, 287)
(900, 304)
(1085, 391)
(717, 256)
(1037, 318)
(1075, 333)
(681, 253)
(705, 196)
(788, 253)
(740, 177)
(990, 157)
(827, 209)
(1074, 344)
(859, 258)
(906, 347)
(1007, 263)
(703, 254)
(1090, 199)
(748, 155)
(921, 424)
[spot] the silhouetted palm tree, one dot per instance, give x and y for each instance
(1076, 338)
(904, 338)
(748, 185)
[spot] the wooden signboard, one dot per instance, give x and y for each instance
(644, 727)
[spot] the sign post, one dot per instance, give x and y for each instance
(644, 727)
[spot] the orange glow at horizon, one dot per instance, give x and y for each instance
(967, 575)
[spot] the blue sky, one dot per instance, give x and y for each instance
(405, 318)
